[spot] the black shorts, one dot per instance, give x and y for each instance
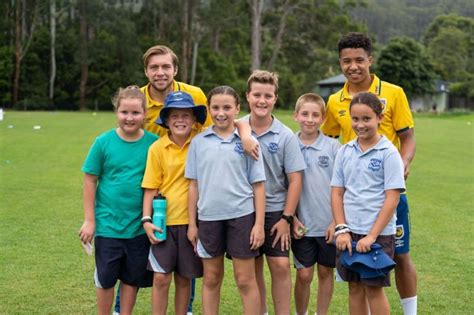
(388, 245)
(272, 218)
(309, 250)
(123, 259)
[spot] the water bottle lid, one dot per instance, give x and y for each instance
(160, 196)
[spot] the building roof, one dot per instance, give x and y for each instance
(338, 79)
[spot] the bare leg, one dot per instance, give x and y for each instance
(325, 288)
(182, 293)
(304, 277)
(105, 298)
(211, 284)
(161, 285)
(378, 301)
(244, 273)
(357, 299)
(281, 284)
(261, 284)
(405, 276)
(128, 296)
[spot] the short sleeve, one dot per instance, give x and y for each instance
(153, 177)
(331, 127)
(402, 118)
(190, 171)
(338, 174)
(95, 159)
(293, 158)
(393, 171)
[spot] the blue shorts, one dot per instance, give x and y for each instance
(123, 259)
(402, 235)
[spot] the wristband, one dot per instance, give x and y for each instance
(341, 231)
(146, 219)
(341, 227)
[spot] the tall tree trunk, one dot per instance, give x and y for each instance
(83, 53)
(286, 10)
(185, 31)
(52, 78)
(256, 8)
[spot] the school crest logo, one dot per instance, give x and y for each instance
(342, 112)
(273, 147)
(238, 148)
(323, 161)
(375, 165)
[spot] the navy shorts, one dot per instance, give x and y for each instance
(123, 259)
(309, 250)
(272, 218)
(402, 235)
(226, 236)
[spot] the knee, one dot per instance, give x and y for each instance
(161, 280)
(403, 261)
(212, 280)
(304, 276)
(244, 281)
(280, 269)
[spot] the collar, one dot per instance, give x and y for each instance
(383, 144)
(151, 102)
(316, 145)
(167, 141)
(275, 127)
(375, 88)
(210, 131)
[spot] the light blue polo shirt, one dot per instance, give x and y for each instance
(281, 155)
(314, 207)
(366, 176)
(225, 175)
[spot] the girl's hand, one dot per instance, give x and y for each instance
(363, 245)
(257, 237)
(299, 230)
(150, 229)
(330, 233)
(193, 236)
(86, 232)
(343, 242)
(250, 146)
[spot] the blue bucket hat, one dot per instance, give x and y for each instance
(181, 100)
(373, 264)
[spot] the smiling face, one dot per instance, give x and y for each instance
(160, 72)
(310, 117)
(180, 122)
(223, 110)
(261, 98)
(365, 121)
(355, 64)
(130, 115)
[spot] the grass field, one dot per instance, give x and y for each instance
(44, 270)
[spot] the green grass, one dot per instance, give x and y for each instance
(44, 270)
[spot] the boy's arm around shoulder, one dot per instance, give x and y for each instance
(87, 230)
(249, 143)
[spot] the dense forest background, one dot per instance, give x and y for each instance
(73, 54)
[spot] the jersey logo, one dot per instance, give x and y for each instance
(342, 112)
(238, 148)
(323, 161)
(384, 103)
(375, 165)
(273, 147)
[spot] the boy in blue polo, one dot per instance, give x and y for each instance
(284, 164)
(227, 191)
(313, 227)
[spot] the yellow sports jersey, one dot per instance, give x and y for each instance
(154, 107)
(397, 113)
(165, 172)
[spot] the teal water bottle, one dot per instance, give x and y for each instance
(159, 216)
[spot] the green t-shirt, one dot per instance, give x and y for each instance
(120, 166)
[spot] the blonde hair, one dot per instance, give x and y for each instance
(131, 91)
(311, 98)
(263, 76)
(159, 50)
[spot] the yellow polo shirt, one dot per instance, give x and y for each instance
(397, 113)
(154, 107)
(165, 172)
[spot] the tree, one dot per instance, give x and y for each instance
(404, 62)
